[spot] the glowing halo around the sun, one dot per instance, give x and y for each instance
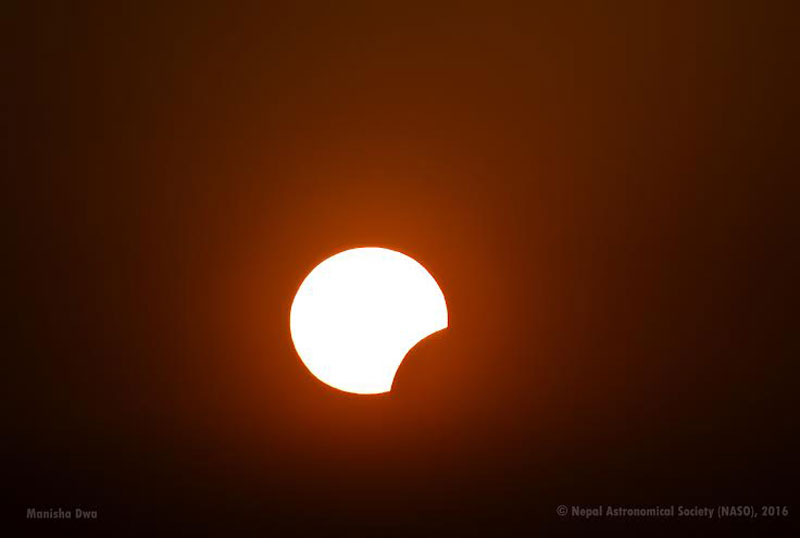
(359, 312)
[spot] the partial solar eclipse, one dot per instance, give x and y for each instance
(359, 312)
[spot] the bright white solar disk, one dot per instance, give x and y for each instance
(359, 312)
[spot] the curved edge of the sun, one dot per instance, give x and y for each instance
(418, 342)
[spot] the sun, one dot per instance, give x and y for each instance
(358, 313)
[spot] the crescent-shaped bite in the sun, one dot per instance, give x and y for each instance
(358, 313)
